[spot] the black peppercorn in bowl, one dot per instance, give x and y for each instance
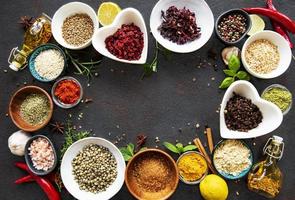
(232, 26)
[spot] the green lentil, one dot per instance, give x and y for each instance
(94, 168)
(35, 109)
(279, 96)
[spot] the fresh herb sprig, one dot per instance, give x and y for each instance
(150, 68)
(179, 148)
(233, 72)
(72, 135)
(129, 151)
(83, 68)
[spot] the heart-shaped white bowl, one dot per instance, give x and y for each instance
(284, 51)
(68, 178)
(272, 115)
(204, 18)
(126, 16)
(68, 10)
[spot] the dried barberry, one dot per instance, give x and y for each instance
(126, 43)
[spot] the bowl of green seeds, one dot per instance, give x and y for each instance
(31, 108)
(280, 96)
(93, 168)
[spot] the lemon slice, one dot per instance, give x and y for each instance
(257, 25)
(107, 12)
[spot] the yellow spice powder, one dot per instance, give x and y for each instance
(192, 167)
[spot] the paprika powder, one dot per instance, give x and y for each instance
(67, 91)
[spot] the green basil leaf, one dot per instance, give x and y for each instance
(226, 82)
(125, 153)
(130, 148)
(189, 148)
(179, 147)
(234, 63)
(126, 157)
(229, 72)
(242, 75)
(142, 149)
(171, 147)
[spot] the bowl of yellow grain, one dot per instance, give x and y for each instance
(192, 167)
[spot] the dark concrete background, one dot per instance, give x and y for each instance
(122, 103)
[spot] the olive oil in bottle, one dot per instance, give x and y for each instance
(38, 33)
(265, 177)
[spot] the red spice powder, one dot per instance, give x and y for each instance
(67, 91)
(126, 43)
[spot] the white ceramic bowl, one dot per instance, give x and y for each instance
(68, 178)
(204, 19)
(126, 16)
(272, 115)
(284, 50)
(68, 10)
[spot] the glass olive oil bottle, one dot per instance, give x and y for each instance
(38, 33)
(265, 177)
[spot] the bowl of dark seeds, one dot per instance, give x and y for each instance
(244, 114)
(182, 26)
(93, 168)
(232, 26)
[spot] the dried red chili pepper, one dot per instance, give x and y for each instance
(284, 20)
(25, 179)
(277, 27)
(67, 91)
(45, 184)
(126, 43)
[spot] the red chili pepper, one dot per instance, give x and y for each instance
(25, 179)
(284, 20)
(48, 188)
(277, 27)
(45, 184)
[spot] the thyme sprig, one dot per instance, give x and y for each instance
(72, 135)
(83, 68)
(150, 68)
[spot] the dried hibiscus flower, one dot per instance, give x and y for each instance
(179, 25)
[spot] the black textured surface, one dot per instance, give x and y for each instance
(122, 103)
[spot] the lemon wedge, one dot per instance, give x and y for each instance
(257, 25)
(107, 12)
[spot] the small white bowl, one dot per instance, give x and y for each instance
(68, 178)
(204, 19)
(284, 50)
(126, 16)
(68, 10)
(272, 115)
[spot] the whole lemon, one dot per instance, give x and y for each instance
(213, 187)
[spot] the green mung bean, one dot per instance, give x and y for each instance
(35, 109)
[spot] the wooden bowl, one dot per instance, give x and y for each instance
(14, 108)
(137, 191)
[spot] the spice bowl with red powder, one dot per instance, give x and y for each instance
(67, 92)
(125, 40)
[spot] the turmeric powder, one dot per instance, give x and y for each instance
(192, 166)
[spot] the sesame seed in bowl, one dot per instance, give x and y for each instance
(266, 55)
(47, 62)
